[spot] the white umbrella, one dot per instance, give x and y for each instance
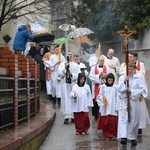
(79, 32)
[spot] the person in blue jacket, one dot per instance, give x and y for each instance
(22, 36)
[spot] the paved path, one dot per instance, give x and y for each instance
(63, 137)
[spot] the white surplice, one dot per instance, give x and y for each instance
(122, 69)
(83, 100)
(82, 66)
(111, 93)
(93, 60)
(66, 88)
(116, 63)
(127, 129)
(54, 74)
(144, 116)
(95, 78)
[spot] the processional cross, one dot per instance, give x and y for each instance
(126, 33)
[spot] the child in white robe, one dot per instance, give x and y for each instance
(107, 101)
(81, 101)
(103, 81)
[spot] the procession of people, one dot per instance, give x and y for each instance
(115, 96)
(106, 99)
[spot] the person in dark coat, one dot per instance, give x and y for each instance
(22, 36)
(38, 58)
(34, 50)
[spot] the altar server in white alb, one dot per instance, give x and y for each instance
(129, 130)
(53, 63)
(113, 63)
(140, 68)
(46, 57)
(83, 68)
(133, 58)
(81, 101)
(144, 116)
(96, 74)
(93, 59)
(107, 101)
(68, 71)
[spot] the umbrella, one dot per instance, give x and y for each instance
(45, 43)
(43, 37)
(62, 41)
(84, 39)
(79, 32)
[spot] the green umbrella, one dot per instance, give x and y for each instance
(62, 41)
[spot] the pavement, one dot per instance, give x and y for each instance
(63, 137)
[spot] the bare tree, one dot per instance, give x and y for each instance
(28, 10)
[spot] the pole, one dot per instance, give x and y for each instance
(59, 52)
(127, 33)
(66, 43)
(127, 60)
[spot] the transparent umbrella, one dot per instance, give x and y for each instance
(78, 32)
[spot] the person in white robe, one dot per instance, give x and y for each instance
(140, 68)
(107, 100)
(53, 63)
(133, 58)
(129, 130)
(81, 101)
(82, 66)
(95, 76)
(113, 63)
(46, 57)
(144, 116)
(93, 59)
(66, 87)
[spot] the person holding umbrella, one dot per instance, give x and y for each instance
(22, 36)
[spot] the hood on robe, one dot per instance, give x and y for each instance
(80, 75)
(110, 75)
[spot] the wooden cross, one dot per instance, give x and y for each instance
(126, 33)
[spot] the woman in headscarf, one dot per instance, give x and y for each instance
(81, 101)
(107, 101)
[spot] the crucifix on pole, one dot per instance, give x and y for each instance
(126, 33)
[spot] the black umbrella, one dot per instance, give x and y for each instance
(43, 37)
(46, 43)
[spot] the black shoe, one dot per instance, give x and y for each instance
(66, 121)
(140, 131)
(54, 100)
(96, 117)
(50, 97)
(123, 141)
(72, 120)
(59, 101)
(133, 143)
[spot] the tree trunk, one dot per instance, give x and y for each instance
(1, 39)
